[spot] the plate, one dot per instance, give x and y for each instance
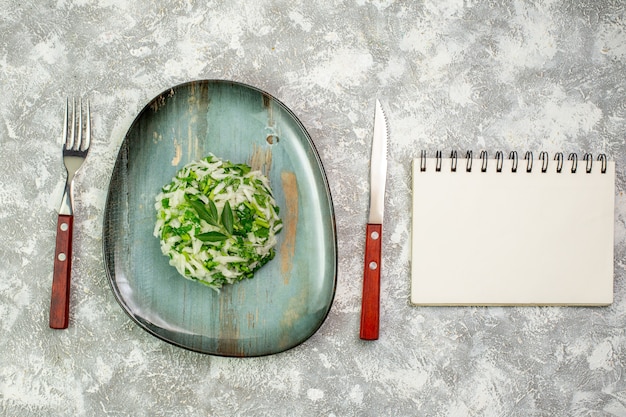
(289, 298)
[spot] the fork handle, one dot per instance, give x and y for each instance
(60, 301)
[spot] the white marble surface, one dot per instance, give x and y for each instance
(452, 74)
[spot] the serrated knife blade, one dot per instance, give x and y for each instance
(370, 303)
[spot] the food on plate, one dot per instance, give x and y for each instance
(217, 221)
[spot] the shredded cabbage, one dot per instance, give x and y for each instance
(217, 221)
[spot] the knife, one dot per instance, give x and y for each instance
(370, 303)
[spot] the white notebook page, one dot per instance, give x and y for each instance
(504, 238)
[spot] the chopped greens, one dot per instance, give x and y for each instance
(217, 221)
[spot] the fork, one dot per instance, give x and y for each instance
(75, 149)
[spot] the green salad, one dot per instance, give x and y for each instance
(217, 221)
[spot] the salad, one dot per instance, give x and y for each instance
(217, 221)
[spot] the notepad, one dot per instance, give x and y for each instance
(512, 232)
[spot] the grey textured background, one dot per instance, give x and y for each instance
(452, 74)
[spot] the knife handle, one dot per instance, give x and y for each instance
(370, 304)
(60, 301)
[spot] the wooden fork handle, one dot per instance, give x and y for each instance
(370, 303)
(60, 301)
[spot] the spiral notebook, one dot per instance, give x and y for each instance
(512, 231)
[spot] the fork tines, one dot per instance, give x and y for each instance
(79, 138)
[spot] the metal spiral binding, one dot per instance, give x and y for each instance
(483, 156)
(602, 159)
(574, 158)
(558, 157)
(529, 165)
(499, 161)
(528, 157)
(543, 156)
(513, 156)
(589, 159)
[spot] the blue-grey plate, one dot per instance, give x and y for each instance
(289, 298)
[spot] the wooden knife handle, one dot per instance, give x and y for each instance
(60, 301)
(370, 304)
